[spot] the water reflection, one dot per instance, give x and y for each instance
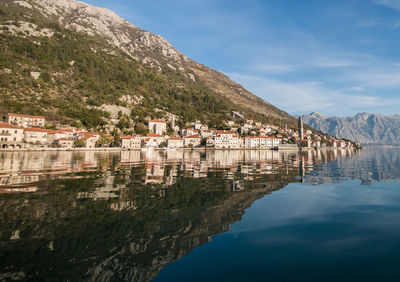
(20, 169)
(124, 216)
(374, 164)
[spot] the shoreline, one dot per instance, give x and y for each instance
(118, 149)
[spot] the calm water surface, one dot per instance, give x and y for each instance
(181, 215)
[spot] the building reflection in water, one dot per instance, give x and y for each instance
(19, 169)
(126, 215)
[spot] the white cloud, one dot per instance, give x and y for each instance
(305, 97)
(274, 68)
(367, 23)
(373, 79)
(394, 4)
(328, 62)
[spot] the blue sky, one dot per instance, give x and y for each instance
(337, 57)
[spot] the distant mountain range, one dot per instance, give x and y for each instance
(363, 127)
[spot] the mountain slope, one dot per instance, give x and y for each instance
(107, 60)
(363, 127)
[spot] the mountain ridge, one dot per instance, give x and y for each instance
(149, 49)
(366, 128)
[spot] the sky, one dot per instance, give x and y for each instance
(336, 57)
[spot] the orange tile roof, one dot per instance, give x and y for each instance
(160, 121)
(66, 130)
(7, 125)
(193, 136)
(28, 116)
(89, 134)
(36, 129)
(153, 135)
(262, 137)
(226, 132)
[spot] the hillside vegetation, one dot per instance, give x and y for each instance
(68, 76)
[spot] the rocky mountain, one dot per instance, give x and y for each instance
(106, 60)
(363, 127)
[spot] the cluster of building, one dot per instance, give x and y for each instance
(23, 131)
(249, 135)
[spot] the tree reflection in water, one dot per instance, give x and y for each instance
(124, 216)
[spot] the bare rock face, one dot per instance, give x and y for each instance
(363, 127)
(91, 20)
(148, 48)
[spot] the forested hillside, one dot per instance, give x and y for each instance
(71, 77)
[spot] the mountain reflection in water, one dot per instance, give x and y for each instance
(124, 216)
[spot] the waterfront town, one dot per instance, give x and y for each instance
(30, 132)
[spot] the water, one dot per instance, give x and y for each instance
(181, 215)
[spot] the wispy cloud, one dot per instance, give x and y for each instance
(305, 97)
(394, 4)
(367, 23)
(274, 68)
(329, 62)
(383, 79)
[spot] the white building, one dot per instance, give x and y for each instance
(227, 140)
(10, 134)
(253, 142)
(89, 138)
(174, 143)
(192, 141)
(131, 142)
(265, 131)
(189, 132)
(149, 143)
(197, 124)
(69, 132)
(26, 120)
(36, 135)
(158, 138)
(158, 127)
(206, 133)
(63, 143)
(54, 135)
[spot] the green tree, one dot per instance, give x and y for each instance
(116, 138)
(141, 128)
(124, 123)
(79, 143)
